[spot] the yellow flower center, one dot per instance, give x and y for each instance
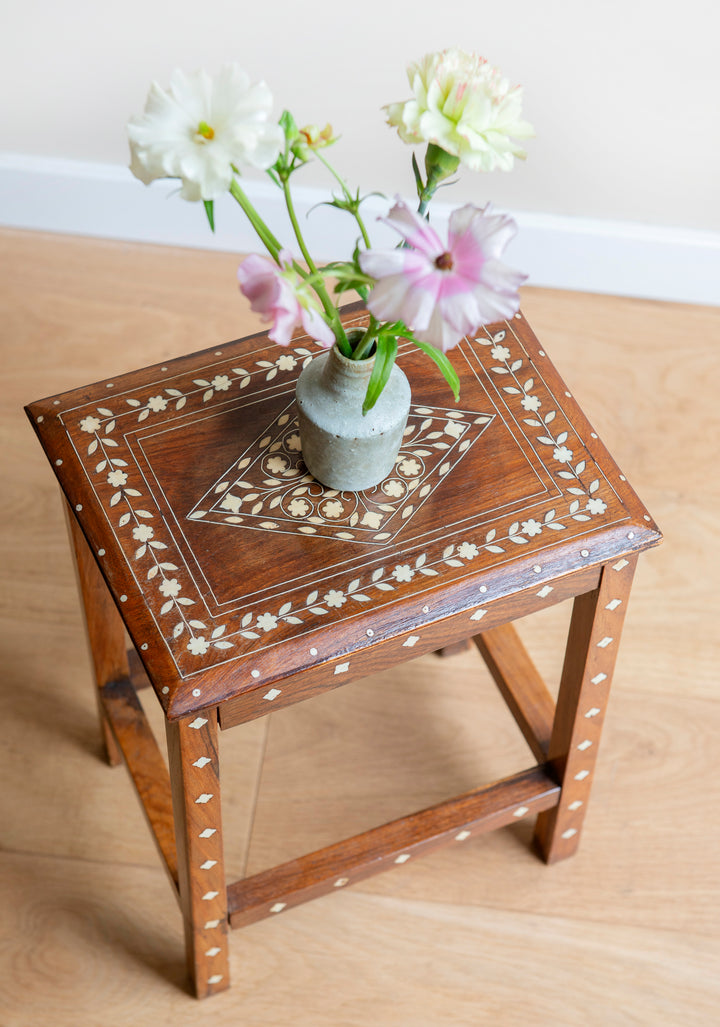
(205, 131)
(444, 262)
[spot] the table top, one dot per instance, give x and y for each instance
(233, 567)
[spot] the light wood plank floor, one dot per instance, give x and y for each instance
(625, 933)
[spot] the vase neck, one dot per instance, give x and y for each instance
(341, 374)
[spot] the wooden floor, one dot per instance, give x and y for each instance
(625, 933)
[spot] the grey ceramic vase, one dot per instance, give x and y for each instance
(341, 447)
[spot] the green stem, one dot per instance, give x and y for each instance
(318, 284)
(271, 244)
(366, 343)
(348, 196)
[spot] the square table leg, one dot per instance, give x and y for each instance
(195, 782)
(592, 647)
(104, 627)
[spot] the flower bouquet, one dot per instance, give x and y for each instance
(427, 290)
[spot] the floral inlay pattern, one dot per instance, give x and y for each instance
(269, 487)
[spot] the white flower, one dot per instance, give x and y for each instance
(200, 127)
(298, 508)
(286, 362)
(267, 621)
(531, 403)
(371, 519)
(221, 383)
(393, 488)
(403, 572)
(89, 424)
(500, 353)
(332, 508)
(596, 506)
(170, 587)
(293, 443)
(454, 428)
(231, 503)
(277, 464)
(409, 467)
(117, 478)
(467, 551)
(142, 533)
(198, 645)
(157, 403)
(334, 598)
(562, 454)
(531, 528)
(465, 106)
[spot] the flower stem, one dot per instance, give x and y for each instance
(271, 244)
(346, 191)
(363, 347)
(318, 283)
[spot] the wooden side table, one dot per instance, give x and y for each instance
(245, 586)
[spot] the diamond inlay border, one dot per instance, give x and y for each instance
(270, 489)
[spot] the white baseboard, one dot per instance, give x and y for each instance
(587, 254)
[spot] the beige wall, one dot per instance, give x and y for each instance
(623, 94)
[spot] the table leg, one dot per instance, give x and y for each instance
(104, 628)
(195, 780)
(592, 647)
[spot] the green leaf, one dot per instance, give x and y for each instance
(419, 184)
(210, 211)
(447, 370)
(385, 353)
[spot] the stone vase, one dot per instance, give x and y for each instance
(343, 448)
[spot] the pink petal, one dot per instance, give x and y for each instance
(317, 327)
(414, 229)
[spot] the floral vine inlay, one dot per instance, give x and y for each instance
(268, 488)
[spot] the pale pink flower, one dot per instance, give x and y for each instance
(277, 293)
(444, 292)
(464, 105)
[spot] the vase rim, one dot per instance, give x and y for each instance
(359, 367)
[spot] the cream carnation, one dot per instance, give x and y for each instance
(463, 105)
(200, 127)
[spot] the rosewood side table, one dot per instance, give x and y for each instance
(246, 586)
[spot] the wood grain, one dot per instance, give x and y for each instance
(628, 929)
(145, 763)
(195, 782)
(394, 844)
(520, 685)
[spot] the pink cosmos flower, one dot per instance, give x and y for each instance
(444, 292)
(277, 293)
